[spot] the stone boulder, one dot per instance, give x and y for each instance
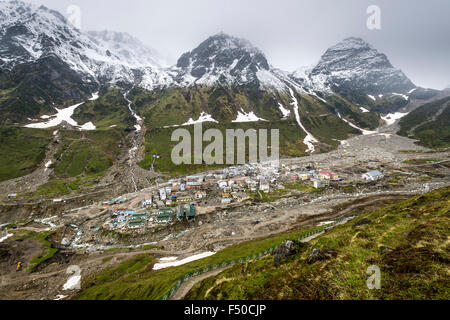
(321, 254)
(286, 249)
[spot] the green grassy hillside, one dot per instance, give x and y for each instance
(111, 109)
(81, 158)
(22, 150)
(134, 280)
(409, 241)
(159, 141)
(430, 124)
(325, 128)
(175, 106)
(88, 152)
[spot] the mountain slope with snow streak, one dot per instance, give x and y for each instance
(309, 139)
(363, 131)
(64, 115)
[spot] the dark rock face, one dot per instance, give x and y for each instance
(321, 254)
(36, 86)
(355, 64)
(287, 249)
(362, 222)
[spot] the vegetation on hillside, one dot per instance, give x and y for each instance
(430, 124)
(144, 283)
(32, 89)
(22, 150)
(162, 109)
(407, 240)
(159, 141)
(89, 152)
(82, 157)
(46, 251)
(110, 109)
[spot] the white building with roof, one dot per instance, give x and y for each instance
(373, 175)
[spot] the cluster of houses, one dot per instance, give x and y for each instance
(131, 219)
(234, 185)
(179, 198)
(315, 177)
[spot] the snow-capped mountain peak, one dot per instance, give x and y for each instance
(355, 64)
(222, 58)
(29, 33)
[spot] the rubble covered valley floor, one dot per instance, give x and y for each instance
(182, 222)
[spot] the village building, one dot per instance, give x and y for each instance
(226, 200)
(147, 202)
(200, 195)
(184, 198)
(292, 176)
(240, 196)
(304, 176)
(186, 211)
(373, 175)
(165, 215)
(162, 194)
(328, 175)
(222, 184)
(319, 183)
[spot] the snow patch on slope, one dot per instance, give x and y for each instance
(404, 96)
(364, 110)
(133, 113)
(364, 132)
(204, 117)
(391, 118)
(309, 139)
(172, 263)
(6, 237)
(247, 117)
(63, 115)
(286, 112)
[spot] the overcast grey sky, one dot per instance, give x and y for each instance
(415, 34)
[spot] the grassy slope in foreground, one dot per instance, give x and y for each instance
(135, 280)
(409, 241)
